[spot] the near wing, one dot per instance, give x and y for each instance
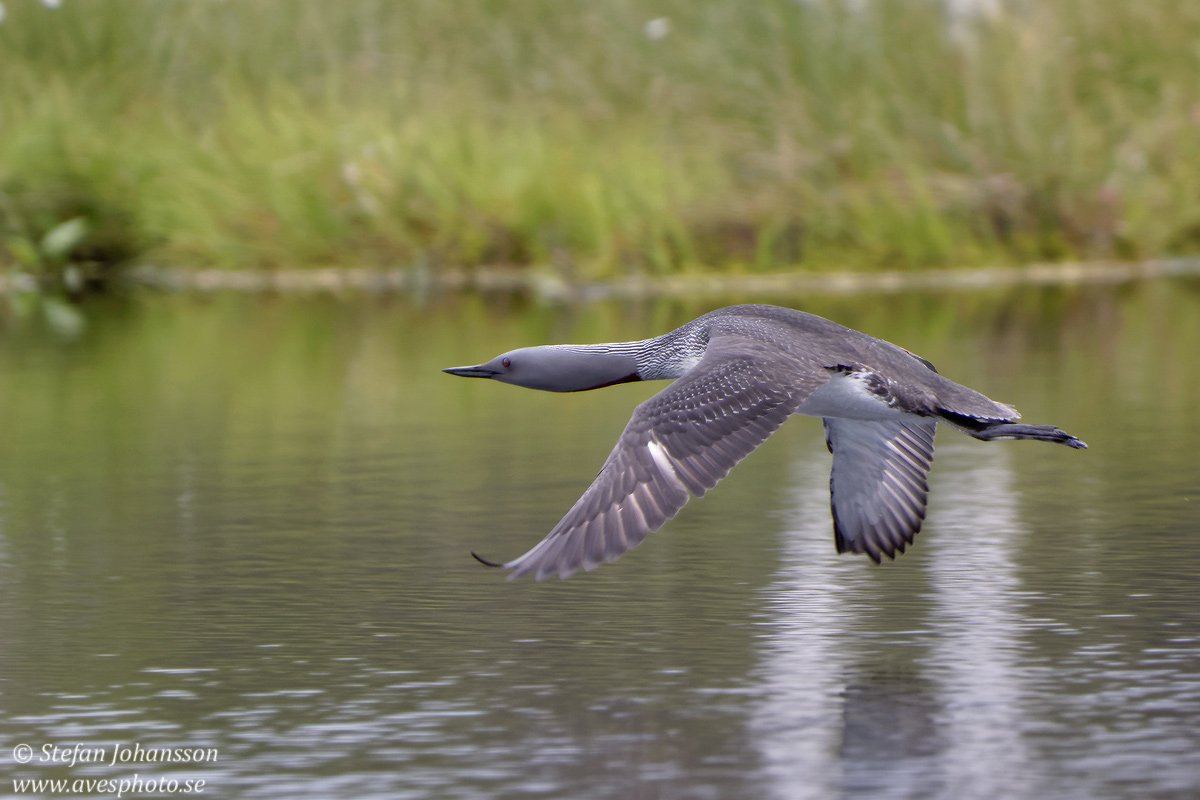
(684, 439)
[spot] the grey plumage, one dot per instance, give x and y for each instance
(740, 373)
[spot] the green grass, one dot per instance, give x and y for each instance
(754, 136)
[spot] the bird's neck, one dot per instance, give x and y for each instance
(669, 356)
(594, 366)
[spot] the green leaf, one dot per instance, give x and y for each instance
(60, 240)
(63, 318)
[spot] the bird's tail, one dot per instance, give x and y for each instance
(1042, 433)
(987, 430)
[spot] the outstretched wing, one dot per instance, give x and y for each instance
(678, 443)
(878, 486)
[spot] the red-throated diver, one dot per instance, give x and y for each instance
(740, 373)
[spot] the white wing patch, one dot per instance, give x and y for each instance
(663, 462)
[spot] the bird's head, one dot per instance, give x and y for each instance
(556, 368)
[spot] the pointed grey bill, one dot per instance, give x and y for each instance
(878, 486)
(679, 443)
(471, 372)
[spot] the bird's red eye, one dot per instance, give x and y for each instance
(506, 362)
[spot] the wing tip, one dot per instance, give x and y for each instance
(484, 561)
(872, 544)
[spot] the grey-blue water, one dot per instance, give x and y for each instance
(243, 525)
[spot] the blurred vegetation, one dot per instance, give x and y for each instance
(600, 138)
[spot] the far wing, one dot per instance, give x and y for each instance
(683, 440)
(878, 486)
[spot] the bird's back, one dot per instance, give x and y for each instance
(816, 344)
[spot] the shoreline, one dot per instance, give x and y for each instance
(545, 285)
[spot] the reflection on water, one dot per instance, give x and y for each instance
(918, 677)
(808, 654)
(974, 660)
(244, 524)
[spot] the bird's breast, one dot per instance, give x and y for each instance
(848, 395)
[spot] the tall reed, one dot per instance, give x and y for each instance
(599, 138)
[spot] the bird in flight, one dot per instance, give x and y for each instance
(738, 373)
